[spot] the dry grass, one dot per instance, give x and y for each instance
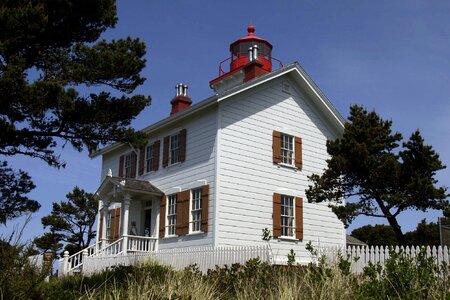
(257, 280)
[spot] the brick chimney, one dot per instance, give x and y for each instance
(181, 100)
(254, 67)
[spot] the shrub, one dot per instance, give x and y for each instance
(19, 278)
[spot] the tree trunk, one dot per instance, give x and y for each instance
(393, 222)
(397, 229)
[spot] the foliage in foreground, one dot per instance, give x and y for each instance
(19, 278)
(402, 278)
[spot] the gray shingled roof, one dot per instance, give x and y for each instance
(136, 185)
(354, 241)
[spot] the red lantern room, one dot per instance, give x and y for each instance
(250, 57)
(242, 49)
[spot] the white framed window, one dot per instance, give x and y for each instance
(127, 166)
(287, 149)
(287, 216)
(196, 210)
(174, 149)
(171, 214)
(149, 158)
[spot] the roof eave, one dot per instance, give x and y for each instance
(164, 122)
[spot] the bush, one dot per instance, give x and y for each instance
(401, 278)
(405, 278)
(19, 278)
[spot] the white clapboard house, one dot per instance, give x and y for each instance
(218, 172)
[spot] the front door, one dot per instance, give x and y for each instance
(148, 222)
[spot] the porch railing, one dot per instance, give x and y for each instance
(112, 249)
(126, 244)
(141, 243)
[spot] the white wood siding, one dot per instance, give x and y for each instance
(198, 168)
(248, 178)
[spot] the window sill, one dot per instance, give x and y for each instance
(169, 237)
(147, 173)
(288, 238)
(172, 165)
(287, 166)
(195, 233)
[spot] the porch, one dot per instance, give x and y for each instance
(127, 222)
(126, 245)
(128, 216)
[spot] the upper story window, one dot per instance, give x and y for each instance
(196, 210)
(149, 158)
(287, 149)
(174, 149)
(171, 214)
(127, 165)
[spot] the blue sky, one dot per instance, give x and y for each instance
(391, 56)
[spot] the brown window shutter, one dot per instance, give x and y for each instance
(100, 230)
(183, 212)
(117, 223)
(205, 203)
(141, 161)
(299, 218)
(121, 165)
(276, 215)
(166, 152)
(276, 146)
(162, 217)
(133, 164)
(114, 224)
(182, 145)
(156, 147)
(298, 152)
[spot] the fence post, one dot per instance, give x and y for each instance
(65, 263)
(84, 259)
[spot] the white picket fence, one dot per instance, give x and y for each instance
(360, 256)
(204, 257)
(207, 257)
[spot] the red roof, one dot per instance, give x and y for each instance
(250, 37)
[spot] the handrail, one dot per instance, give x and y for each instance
(268, 57)
(113, 248)
(76, 259)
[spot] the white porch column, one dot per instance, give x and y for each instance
(126, 212)
(97, 239)
(105, 209)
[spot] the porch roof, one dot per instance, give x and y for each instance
(130, 185)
